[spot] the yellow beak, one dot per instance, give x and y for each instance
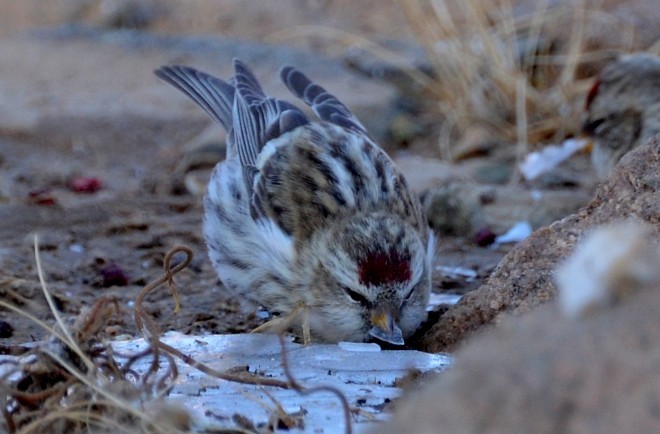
(385, 328)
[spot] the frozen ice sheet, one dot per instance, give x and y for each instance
(437, 299)
(367, 378)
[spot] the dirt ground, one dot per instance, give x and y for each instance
(112, 242)
(107, 203)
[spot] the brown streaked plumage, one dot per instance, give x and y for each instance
(311, 213)
(623, 108)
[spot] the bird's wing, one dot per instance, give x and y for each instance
(240, 105)
(324, 104)
(258, 118)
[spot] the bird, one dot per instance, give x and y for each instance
(622, 108)
(310, 211)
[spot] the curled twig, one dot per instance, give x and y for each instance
(151, 333)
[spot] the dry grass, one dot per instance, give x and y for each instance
(76, 383)
(512, 75)
(497, 75)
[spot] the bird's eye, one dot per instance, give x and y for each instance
(356, 296)
(590, 126)
(410, 294)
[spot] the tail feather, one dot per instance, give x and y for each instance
(258, 118)
(241, 107)
(215, 96)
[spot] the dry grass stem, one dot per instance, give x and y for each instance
(284, 323)
(505, 71)
(74, 383)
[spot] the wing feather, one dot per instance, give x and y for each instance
(325, 105)
(240, 105)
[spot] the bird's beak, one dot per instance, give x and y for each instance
(587, 133)
(589, 147)
(385, 328)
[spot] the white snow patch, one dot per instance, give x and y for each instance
(539, 162)
(516, 234)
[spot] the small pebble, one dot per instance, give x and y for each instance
(487, 198)
(113, 275)
(484, 237)
(77, 248)
(263, 314)
(43, 196)
(536, 194)
(6, 330)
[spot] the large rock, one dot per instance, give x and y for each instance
(523, 281)
(545, 373)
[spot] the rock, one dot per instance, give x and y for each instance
(447, 211)
(6, 330)
(456, 205)
(460, 208)
(197, 160)
(522, 280)
(613, 262)
(545, 373)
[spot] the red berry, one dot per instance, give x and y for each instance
(85, 184)
(113, 275)
(484, 237)
(42, 197)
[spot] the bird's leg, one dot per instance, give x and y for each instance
(283, 323)
(307, 336)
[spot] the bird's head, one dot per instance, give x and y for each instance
(369, 279)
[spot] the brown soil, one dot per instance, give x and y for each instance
(131, 223)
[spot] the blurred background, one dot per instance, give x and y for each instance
(473, 73)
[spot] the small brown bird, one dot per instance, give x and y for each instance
(311, 213)
(623, 108)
